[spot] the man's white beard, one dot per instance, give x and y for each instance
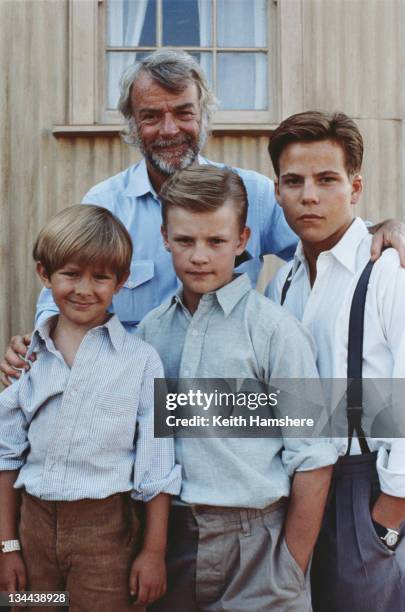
(169, 164)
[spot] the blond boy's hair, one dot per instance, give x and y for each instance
(204, 189)
(87, 235)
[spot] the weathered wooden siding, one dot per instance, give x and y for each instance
(353, 57)
(353, 60)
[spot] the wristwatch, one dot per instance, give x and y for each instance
(387, 535)
(10, 546)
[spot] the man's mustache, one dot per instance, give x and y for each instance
(162, 143)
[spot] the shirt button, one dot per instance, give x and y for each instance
(130, 284)
(194, 332)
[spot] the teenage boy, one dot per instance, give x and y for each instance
(233, 545)
(76, 434)
(359, 562)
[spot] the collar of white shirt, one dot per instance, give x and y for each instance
(344, 251)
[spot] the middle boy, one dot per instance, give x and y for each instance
(234, 543)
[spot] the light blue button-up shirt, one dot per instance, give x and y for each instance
(236, 333)
(131, 197)
(87, 431)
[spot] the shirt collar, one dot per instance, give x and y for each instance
(344, 251)
(42, 334)
(115, 331)
(227, 296)
(299, 257)
(139, 182)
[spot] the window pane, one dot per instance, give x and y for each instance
(241, 23)
(131, 23)
(117, 62)
(187, 23)
(205, 61)
(242, 81)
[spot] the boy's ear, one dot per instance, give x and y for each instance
(357, 188)
(163, 231)
(122, 282)
(43, 275)
(243, 240)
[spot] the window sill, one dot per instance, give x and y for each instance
(219, 129)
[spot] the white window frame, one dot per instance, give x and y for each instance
(87, 65)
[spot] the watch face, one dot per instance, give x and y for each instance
(391, 538)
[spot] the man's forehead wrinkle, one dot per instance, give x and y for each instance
(155, 109)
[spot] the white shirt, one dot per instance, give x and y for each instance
(325, 311)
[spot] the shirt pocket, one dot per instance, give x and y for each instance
(138, 295)
(114, 421)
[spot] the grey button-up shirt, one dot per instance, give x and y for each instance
(236, 333)
(87, 431)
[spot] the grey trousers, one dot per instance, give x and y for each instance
(352, 569)
(236, 560)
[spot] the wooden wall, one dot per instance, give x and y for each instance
(352, 58)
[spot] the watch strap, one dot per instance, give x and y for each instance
(388, 535)
(10, 546)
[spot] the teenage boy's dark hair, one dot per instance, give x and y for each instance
(204, 189)
(313, 126)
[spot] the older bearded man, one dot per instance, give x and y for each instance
(168, 105)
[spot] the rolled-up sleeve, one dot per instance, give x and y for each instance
(13, 429)
(294, 358)
(391, 468)
(155, 470)
(304, 455)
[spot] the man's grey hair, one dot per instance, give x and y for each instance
(174, 70)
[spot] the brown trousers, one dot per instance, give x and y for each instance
(85, 547)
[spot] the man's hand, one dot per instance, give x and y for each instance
(304, 517)
(147, 581)
(389, 511)
(390, 233)
(17, 348)
(13, 575)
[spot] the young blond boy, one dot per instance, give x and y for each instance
(359, 562)
(76, 434)
(227, 546)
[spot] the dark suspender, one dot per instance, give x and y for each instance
(287, 284)
(355, 361)
(354, 356)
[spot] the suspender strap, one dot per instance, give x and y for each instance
(287, 284)
(354, 357)
(355, 361)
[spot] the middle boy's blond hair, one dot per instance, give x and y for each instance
(204, 188)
